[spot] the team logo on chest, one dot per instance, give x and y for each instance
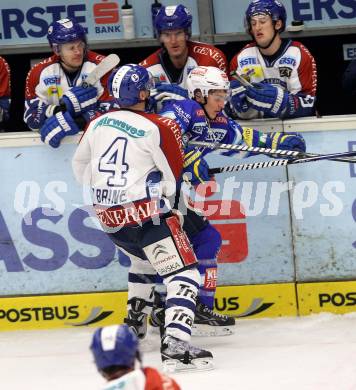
(284, 71)
(215, 135)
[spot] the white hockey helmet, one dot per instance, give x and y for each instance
(205, 79)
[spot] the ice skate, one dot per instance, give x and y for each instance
(156, 320)
(206, 322)
(209, 323)
(178, 355)
(136, 319)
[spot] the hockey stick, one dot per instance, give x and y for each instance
(241, 79)
(245, 83)
(275, 163)
(247, 167)
(107, 64)
(343, 157)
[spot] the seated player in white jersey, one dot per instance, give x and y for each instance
(137, 158)
(56, 103)
(282, 71)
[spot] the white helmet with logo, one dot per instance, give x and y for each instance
(205, 79)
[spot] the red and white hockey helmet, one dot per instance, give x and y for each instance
(205, 79)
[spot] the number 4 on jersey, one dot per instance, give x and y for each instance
(113, 162)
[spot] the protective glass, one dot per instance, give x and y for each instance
(220, 96)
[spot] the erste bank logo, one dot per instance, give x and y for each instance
(32, 22)
(106, 12)
(106, 17)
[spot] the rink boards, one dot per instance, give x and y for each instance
(99, 309)
(285, 251)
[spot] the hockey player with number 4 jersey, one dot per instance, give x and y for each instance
(133, 161)
(282, 71)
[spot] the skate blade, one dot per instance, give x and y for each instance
(201, 330)
(200, 364)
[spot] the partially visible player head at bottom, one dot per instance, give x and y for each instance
(115, 351)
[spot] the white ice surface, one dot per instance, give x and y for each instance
(314, 352)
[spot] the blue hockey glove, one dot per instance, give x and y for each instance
(57, 127)
(165, 92)
(195, 168)
(238, 97)
(286, 141)
(79, 100)
(90, 115)
(270, 99)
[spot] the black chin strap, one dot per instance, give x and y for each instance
(270, 42)
(63, 64)
(206, 112)
(203, 107)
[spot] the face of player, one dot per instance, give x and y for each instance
(175, 42)
(215, 102)
(263, 29)
(72, 54)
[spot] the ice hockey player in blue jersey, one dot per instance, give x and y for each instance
(202, 118)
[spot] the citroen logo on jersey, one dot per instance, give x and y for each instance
(159, 250)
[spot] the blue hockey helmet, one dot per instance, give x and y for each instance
(115, 345)
(173, 17)
(273, 8)
(64, 31)
(126, 82)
